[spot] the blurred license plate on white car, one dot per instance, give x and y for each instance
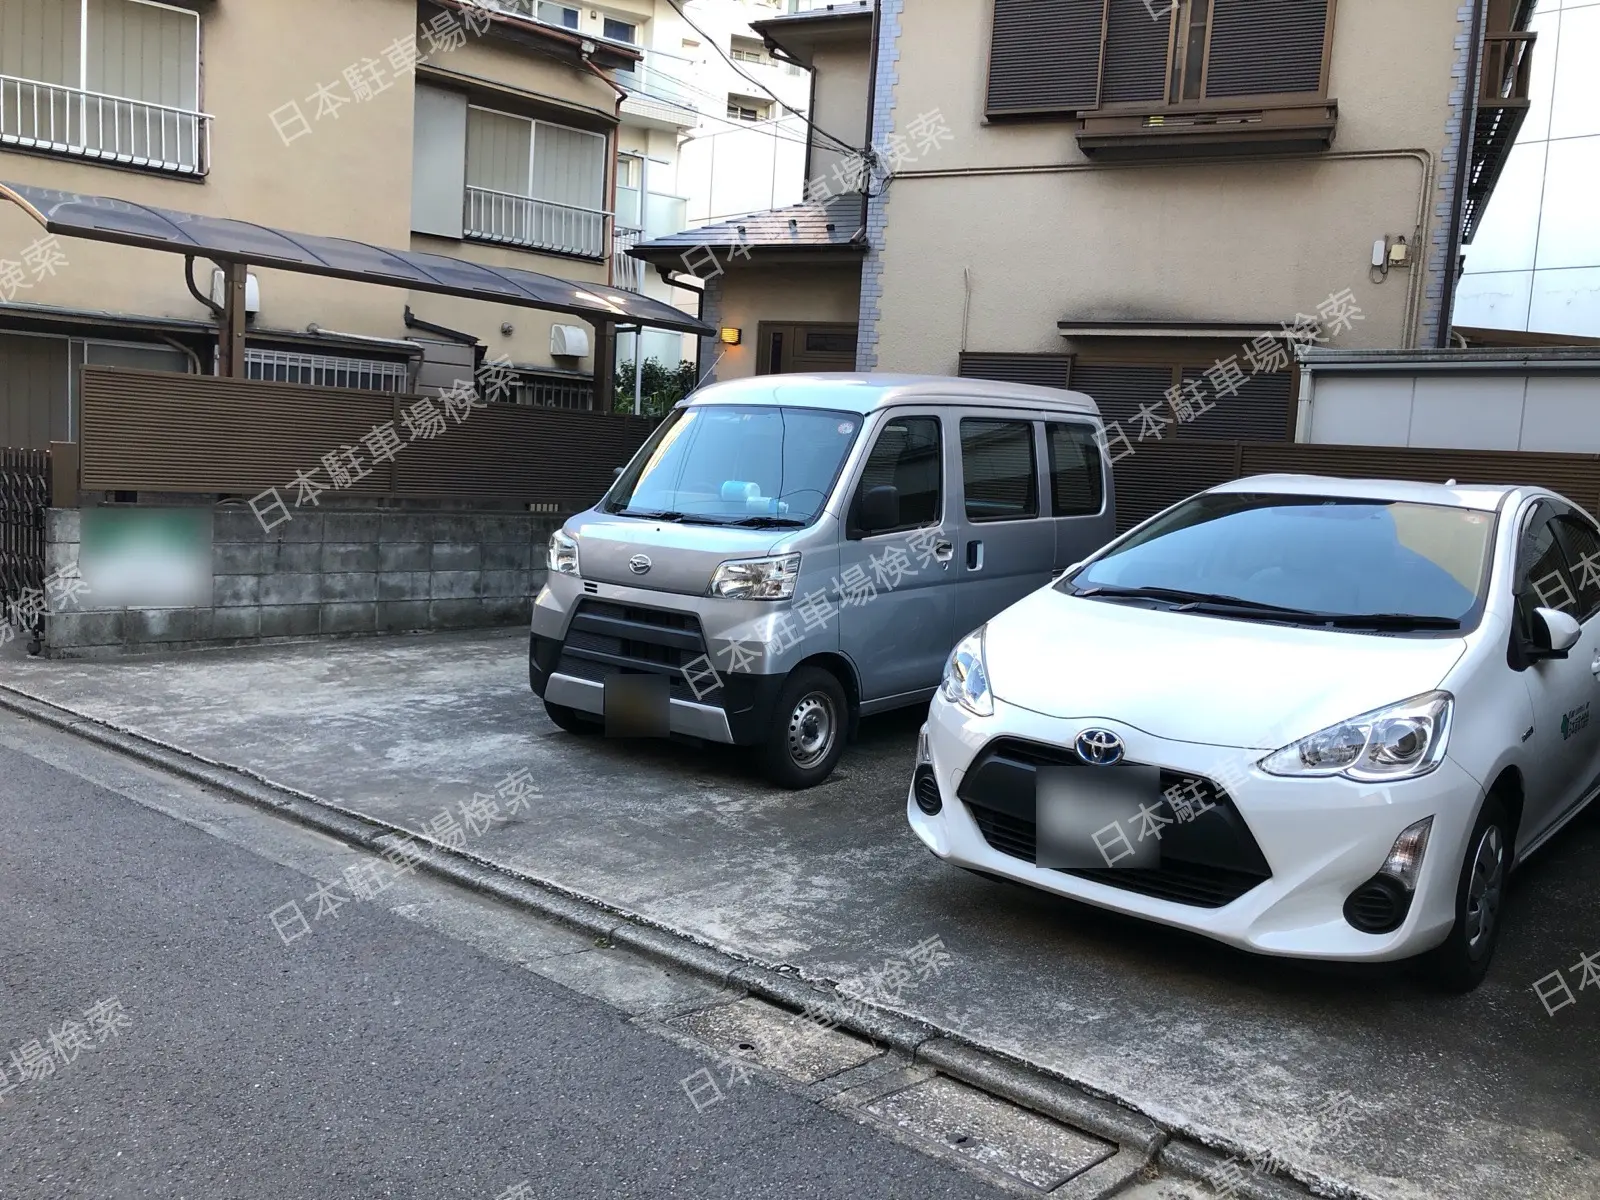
(1091, 817)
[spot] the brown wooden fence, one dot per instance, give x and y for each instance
(1158, 474)
(156, 431)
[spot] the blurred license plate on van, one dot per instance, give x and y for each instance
(1090, 817)
(637, 706)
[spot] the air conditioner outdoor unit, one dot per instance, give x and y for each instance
(252, 291)
(569, 340)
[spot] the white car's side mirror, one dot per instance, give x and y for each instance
(1554, 633)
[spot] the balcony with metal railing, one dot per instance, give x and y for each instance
(54, 119)
(505, 217)
(1503, 101)
(626, 271)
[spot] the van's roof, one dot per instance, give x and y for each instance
(868, 393)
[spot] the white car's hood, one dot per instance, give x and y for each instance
(1192, 678)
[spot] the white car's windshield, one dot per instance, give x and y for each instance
(1322, 558)
(721, 464)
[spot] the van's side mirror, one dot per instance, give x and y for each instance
(1554, 633)
(880, 509)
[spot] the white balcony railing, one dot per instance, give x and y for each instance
(64, 120)
(538, 224)
(626, 271)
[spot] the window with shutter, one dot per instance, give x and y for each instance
(1265, 47)
(1045, 56)
(1144, 74)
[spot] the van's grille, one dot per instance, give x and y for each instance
(1208, 862)
(605, 639)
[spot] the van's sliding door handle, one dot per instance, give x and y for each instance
(944, 551)
(974, 556)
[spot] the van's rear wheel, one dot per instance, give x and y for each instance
(571, 720)
(808, 729)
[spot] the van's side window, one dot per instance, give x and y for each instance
(1077, 482)
(1001, 473)
(909, 457)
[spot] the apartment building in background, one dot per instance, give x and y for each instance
(1534, 264)
(1147, 201)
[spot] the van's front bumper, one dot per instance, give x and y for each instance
(1321, 839)
(707, 699)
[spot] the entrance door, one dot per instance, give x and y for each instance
(805, 349)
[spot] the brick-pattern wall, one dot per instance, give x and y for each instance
(886, 75)
(329, 572)
(1463, 106)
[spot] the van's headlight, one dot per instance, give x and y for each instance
(966, 676)
(563, 558)
(757, 578)
(1398, 742)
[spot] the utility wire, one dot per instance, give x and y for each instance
(840, 143)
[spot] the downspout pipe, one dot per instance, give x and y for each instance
(1458, 205)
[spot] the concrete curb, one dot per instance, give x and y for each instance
(1141, 1140)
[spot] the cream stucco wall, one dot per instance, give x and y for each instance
(1048, 235)
(750, 294)
(841, 101)
(350, 176)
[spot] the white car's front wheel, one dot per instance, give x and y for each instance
(1462, 961)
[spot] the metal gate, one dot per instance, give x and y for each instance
(24, 497)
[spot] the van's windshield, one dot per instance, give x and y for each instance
(730, 464)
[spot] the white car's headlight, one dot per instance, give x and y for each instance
(563, 555)
(966, 676)
(1398, 742)
(757, 578)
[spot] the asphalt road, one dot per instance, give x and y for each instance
(377, 1058)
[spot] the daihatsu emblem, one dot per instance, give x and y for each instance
(1099, 747)
(639, 564)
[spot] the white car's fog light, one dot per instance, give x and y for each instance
(1405, 859)
(924, 755)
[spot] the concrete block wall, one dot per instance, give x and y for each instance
(334, 572)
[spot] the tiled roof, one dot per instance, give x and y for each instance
(838, 223)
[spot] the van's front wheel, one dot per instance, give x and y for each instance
(808, 729)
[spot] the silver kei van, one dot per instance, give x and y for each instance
(789, 553)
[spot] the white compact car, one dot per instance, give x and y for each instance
(1319, 718)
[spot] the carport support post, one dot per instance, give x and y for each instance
(230, 334)
(605, 365)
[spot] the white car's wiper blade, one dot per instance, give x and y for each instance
(1206, 602)
(1187, 598)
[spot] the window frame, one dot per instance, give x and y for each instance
(1028, 422)
(632, 26)
(1178, 22)
(853, 531)
(761, 109)
(1096, 440)
(533, 144)
(1562, 519)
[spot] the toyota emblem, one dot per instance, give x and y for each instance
(639, 564)
(1099, 747)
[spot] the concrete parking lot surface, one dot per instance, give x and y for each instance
(1490, 1095)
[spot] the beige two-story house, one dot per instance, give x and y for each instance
(1150, 200)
